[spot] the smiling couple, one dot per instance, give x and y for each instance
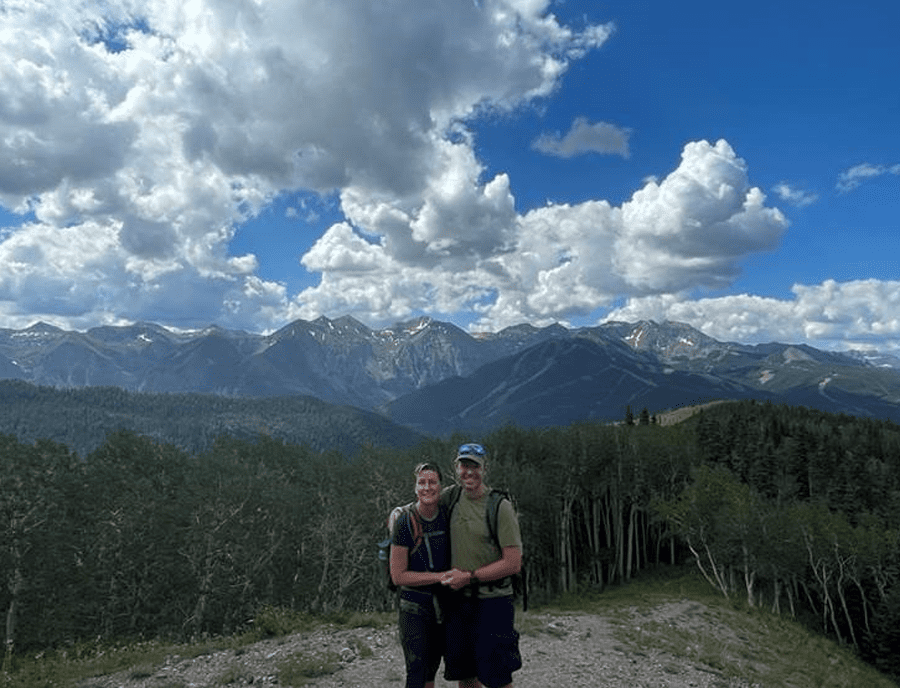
(453, 556)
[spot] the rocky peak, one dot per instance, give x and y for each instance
(670, 340)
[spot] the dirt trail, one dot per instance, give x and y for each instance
(557, 650)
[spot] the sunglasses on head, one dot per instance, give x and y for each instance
(470, 450)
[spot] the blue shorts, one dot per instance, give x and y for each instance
(481, 640)
(422, 638)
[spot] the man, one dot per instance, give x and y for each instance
(482, 644)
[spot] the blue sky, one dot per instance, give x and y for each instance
(487, 163)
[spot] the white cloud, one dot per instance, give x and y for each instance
(584, 137)
(794, 196)
(137, 136)
(692, 228)
(160, 126)
(853, 177)
(461, 244)
(342, 250)
(831, 315)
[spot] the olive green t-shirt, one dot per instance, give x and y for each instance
(471, 545)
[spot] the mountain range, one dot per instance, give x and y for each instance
(433, 377)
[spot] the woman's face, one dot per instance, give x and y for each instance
(428, 487)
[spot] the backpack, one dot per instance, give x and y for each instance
(384, 546)
(451, 496)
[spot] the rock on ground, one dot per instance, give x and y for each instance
(557, 650)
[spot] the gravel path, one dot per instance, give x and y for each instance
(557, 650)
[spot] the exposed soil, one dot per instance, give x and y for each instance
(557, 650)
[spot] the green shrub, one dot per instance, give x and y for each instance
(273, 622)
(297, 670)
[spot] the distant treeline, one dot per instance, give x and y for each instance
(793, 509)
(81, 418)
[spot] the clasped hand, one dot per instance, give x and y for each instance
(456, 579)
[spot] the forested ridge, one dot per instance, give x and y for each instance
(81, 418)
(782, 507)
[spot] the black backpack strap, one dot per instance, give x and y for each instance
(415, 527)
(493, 513)
(415, 524)
(520, 580)
(449, 498)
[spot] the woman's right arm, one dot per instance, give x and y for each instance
(401, 575)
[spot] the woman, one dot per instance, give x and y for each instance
(420, 553)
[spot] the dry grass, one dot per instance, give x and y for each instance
(671, 620)
(683, 617)
(683, 413)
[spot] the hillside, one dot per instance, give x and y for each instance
(558, 382)
(663, 633)
(792, 509)
(82, 418)
(683, 413)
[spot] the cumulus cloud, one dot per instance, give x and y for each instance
(154, 129)
(833, 315)
(856, 175)
(584, 137)
(462, 244)
(694, 227)
(138, 136)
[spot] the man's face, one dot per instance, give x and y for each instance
(470, 475)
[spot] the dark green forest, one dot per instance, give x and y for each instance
(81, 418)
(778, 507)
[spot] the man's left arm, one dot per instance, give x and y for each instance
(509, 564)
(510, 561)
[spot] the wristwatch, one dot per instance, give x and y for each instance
(474, 579)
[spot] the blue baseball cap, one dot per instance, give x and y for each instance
(472, 452)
